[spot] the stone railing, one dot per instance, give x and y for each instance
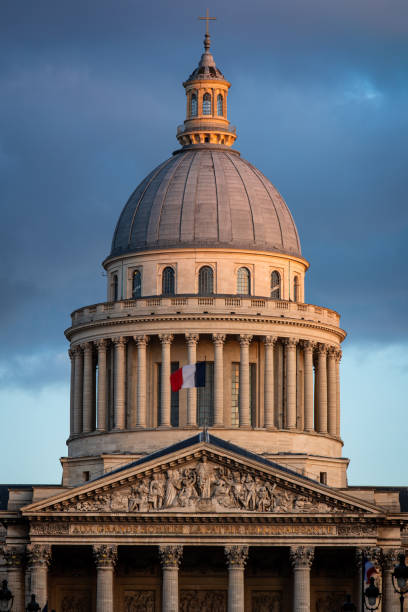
(225, 305)
(230, 129)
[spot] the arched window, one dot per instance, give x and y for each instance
(205, 281)
(168, 278)
(193, 105)
(115, 284)
(275, 285)
(296, 289)
(207, 104)
(137, 284)
(244, 281)
(220, 109)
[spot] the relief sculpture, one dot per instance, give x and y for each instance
(140, 601)
(203, 601)
(266, 601)
(204, 487)
(76, 603)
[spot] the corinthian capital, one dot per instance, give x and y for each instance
(170, 556)
(120, 341)
(101, 344)
(338, 355)
(390, 557)
(13, 556)
(39, 554)
(192, 338)
(105, 555)
(166, 338)
(322, 349)
(245, 339)
(270, 341)
(218, 338)
(291, 343)
(141, 340)
(301, 556)
(375, 555)
(87, 347)
(71, 353)
(308, 345)
(236, 555)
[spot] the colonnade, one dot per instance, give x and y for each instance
(310, 402)
(27, 572)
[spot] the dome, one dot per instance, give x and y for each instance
(206, 196)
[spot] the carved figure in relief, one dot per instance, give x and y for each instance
(172, 487)
(250, 498)
(204, 478)
(140, 601)
(188, 493)
(156, 492)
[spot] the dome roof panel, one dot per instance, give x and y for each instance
(206, 197)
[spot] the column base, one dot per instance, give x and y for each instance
(165, 427)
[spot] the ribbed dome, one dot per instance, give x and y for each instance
(205, 196)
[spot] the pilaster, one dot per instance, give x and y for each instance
(14, 558)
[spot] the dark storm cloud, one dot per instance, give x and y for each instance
(90, 98)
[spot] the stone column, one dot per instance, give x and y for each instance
(302, 559)
(141, 342)
(244, 399)
(269, 383)
(14, 558)
(101, 345)
(79, 376)
(105, 559)
(120, 383)
(170, 557)
(308, 382)
(39, 558)
(322, 388)
(192, 340)
(291, 344)
(165, 400)
(71, 354)
(236, 558)
(218, 340)
(338, 359)
(331, 392)
(88, 394)
(359, 587)
(390, 598)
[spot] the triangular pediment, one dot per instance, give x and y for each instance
(202, 478)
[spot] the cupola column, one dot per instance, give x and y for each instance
(331, 392)
(170, 557)
(291, 344)
(120, 362)
(141, 342)
(165, 400)
(192, 340)
(71, 354)
(236, 558)
(244, 406)
(302, 559)
(308, 384)
(218, 340)
(79, 375)
(88, 391)
(338, 359)
(101, 346)
(322, 388)
(14, 558)
(39, 558)
(269, 383)
(105, 559)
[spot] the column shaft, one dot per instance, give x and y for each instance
(291, 383)
(14, 557)
(120, 382)
(88, 394)
(322, 389)
(244, 399)
(236, 558)
(165, 400)
(102, 386)
(170, 557)
(219, 340)
(141, 380)
(309, 405)
(79, 375)
(39, 584)
(192, 340)
(338, 413)
(105, 558)
(301, 558)
(71, 354)
(269, 384)
(390, 599)
(331, 393)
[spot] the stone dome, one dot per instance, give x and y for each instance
(206, 196)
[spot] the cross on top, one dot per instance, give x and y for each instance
(207, 18)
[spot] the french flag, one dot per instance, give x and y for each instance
(188, 377)
(369, 571)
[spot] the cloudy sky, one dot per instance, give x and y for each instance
(90, 99)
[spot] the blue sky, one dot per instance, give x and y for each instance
(91, 98)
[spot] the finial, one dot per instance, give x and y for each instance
(207, 41)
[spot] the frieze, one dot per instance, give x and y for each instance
(140, 601)
(203, 601)
(205, 487)
(266, 601)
